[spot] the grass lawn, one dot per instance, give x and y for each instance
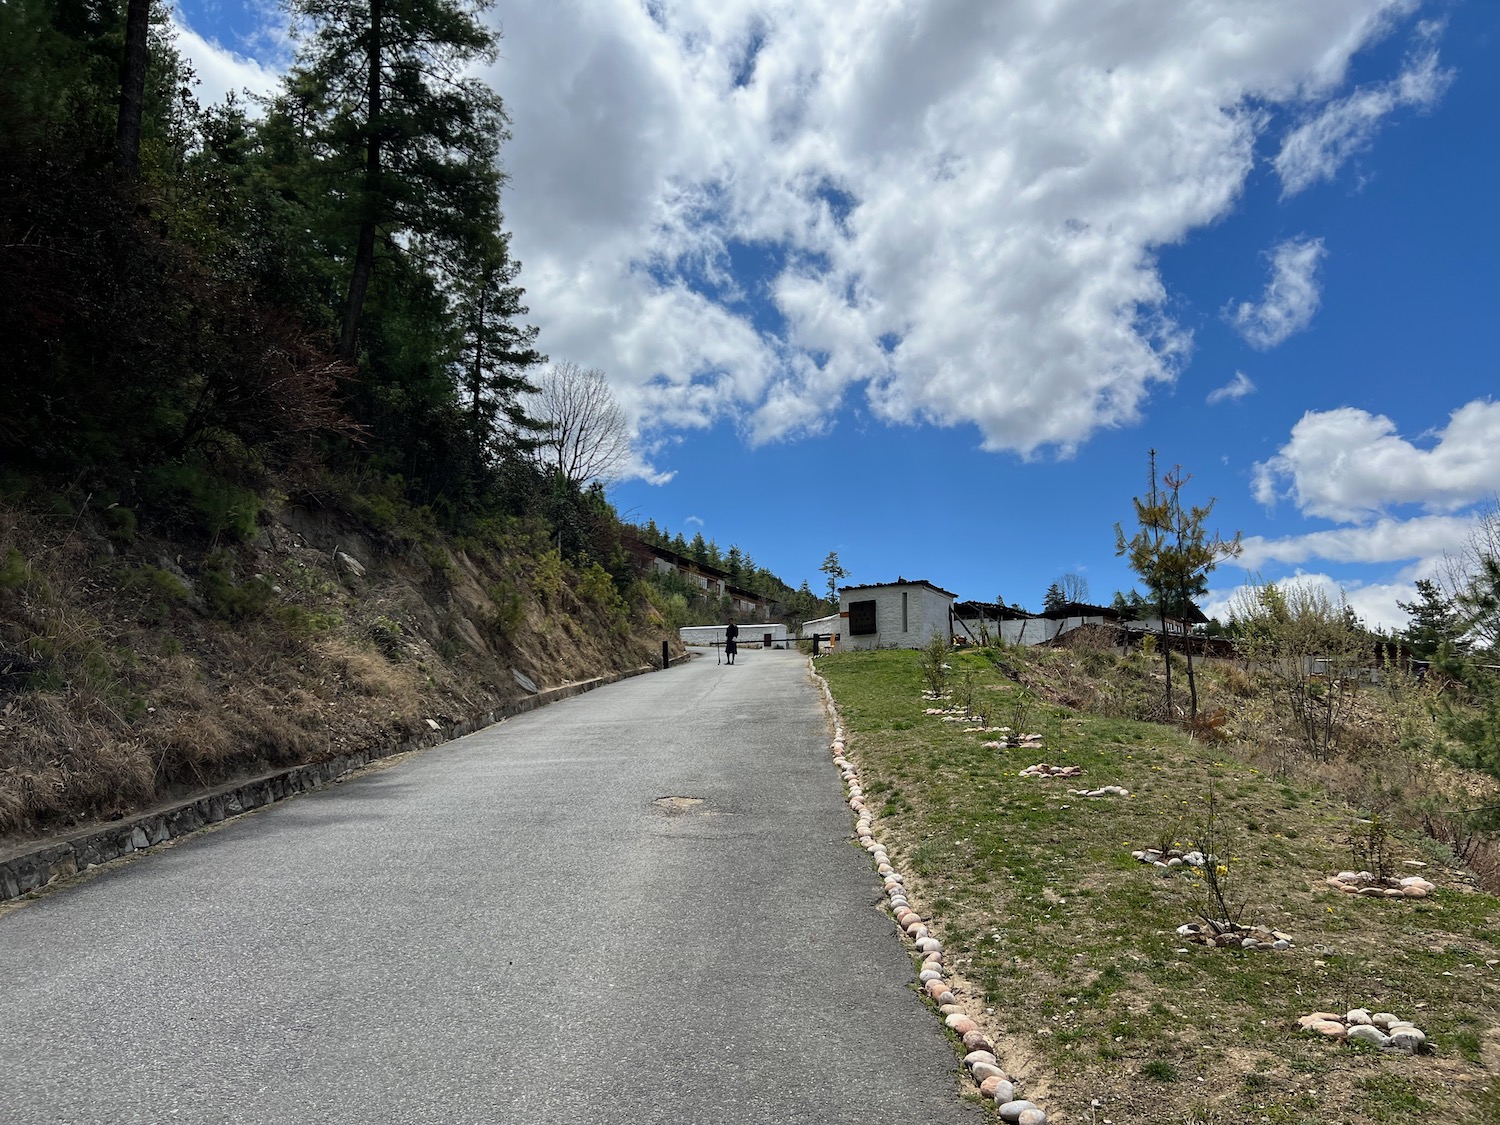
(1065, 947)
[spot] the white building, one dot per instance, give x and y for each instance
(898, 614)
(829, 626)
(981, 623)
(757, 635)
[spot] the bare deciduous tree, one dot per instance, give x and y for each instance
(587, 437)
(1471, 578)
(1074, 587)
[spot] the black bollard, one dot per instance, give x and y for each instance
(815, 644)
(666, 658)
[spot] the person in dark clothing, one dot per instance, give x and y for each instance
(731, 640)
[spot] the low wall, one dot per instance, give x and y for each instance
(34, 866)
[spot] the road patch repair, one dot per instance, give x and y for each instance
(980, 1059)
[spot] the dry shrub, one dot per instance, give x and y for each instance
(1484, 862)
(62, 764)
(368, 672)
(1232, 679)
(1208, 726)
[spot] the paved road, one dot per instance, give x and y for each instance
(507, 928)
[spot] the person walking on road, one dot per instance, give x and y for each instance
(731, 640)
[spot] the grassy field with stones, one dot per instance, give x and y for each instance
(1065, 948)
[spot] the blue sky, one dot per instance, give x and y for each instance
(922, 284)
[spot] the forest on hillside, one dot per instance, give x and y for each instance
(314, 292)
(284, 469)
(197, 296)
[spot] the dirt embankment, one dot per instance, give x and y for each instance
(136, 668)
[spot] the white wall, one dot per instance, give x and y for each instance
(926, 614)
(828, 626)
(1028, 631)
(749, 634)
(1032, 631)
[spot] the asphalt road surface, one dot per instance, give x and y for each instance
(508, 928)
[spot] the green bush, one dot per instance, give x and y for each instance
(226, 598)
(157, 589)
(15, 572)
(596, 585)
(549, 577)
(510, 608)
(121, 524)
(386, 633)
(301, 622)
(212, 505)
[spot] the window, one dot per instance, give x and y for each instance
(862, 619)
(903, 611)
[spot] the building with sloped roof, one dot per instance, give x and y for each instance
(900, 614)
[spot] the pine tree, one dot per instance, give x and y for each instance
(1434, 621)
(496, 352)
(411, 138)
(1053, 599)
(836, 574)
(1144, 551)
(1174, 554)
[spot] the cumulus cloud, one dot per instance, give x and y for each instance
(1349, 465)
(752, 209)
(1386, 540)
(1291, 297)
(1232, 391)
(1319, 147)
(220, 70)
(1374, 602)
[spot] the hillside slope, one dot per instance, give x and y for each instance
(135, 666)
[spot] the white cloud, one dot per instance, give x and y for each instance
(955, 205)
(694, 521)
(1374, 602)
(220, 70)
(1348, 465)
(1291, 297)
(1316, 150)
(1384, 541)
(1232, 391)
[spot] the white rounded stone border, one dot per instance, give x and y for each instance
(979, 1058)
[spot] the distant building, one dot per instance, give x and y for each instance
(649, 558)
(768, 635)
(899, 614)
(981, 622)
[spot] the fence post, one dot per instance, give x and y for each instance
(666, 658)
(816, 638)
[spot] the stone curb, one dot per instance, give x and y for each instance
(979, 1052)
(31, 868)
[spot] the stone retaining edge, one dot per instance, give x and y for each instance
(31, 870)
(980, 1059)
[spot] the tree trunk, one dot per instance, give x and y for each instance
(477, 385)
(1166, 651)
(364, 251)
(132, 87)
(1187, 646)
